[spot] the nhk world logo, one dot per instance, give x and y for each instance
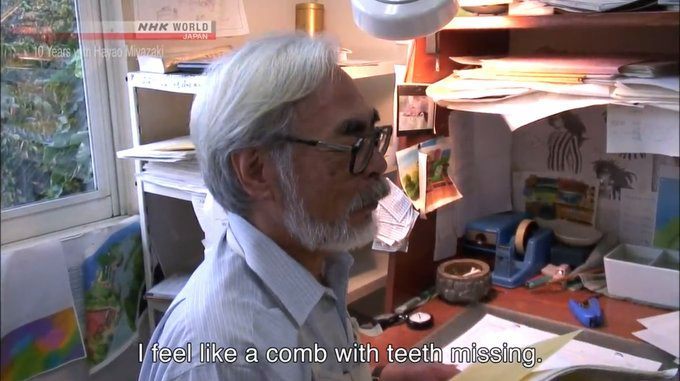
(155, 30)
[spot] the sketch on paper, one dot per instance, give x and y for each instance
(564, 143)
(632, 156)
(612, 178)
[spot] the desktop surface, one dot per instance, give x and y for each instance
(547, 305)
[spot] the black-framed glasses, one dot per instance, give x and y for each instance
(361, 150)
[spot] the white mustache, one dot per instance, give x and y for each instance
(370, 196)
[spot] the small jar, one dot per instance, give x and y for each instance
(309, 18)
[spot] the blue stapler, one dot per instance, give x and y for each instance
(588, 313)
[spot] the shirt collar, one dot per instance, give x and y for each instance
(292, 284)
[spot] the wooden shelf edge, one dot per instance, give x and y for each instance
(162, 190)
(599, 20)
(365, 283)
(191, 83)
(368, 71)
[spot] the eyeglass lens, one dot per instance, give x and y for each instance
(379, 140)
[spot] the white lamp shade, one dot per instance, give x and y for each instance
(402, 19)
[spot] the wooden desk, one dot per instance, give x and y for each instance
(547, 302)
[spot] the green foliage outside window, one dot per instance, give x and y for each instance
(45, 143)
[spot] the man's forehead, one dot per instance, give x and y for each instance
(333, 102)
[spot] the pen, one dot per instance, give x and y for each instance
(538, 281)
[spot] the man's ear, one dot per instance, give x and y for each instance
(251, 168)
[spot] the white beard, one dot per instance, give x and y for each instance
(334, 236)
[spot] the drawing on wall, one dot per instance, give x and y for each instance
(612, 178)
(632, 156)
(559, 198)
(564, 143)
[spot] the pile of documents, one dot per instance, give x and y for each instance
(182, 175)
(527, 88)
(395, 218)
(171, 150)
(560, 355)
(600, 5)
(169, 163)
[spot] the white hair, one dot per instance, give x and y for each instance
(248, 100)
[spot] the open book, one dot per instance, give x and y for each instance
(423, 171)
(513, 351)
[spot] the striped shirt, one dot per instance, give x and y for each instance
(249, 295)
(564, 152)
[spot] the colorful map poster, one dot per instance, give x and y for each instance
(112, 283)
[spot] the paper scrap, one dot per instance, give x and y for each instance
(642, 130)
(636, 217)
(663, 331)
(211, 217)
(395, 217)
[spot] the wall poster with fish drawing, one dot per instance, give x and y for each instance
(113, 279)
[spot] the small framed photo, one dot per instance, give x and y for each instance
(415, 110)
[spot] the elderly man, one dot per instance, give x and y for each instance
(289, 148)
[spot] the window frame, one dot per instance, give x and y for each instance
(40, 218)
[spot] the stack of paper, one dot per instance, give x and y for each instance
(527, 88)
(168, 288)
(182, 175)
(661, 91)
(662, 332)
(395, 218)
(494, 334)
(171, 150)
(597, 5)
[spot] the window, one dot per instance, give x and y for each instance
(58, 168)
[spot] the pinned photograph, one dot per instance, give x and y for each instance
(415, 110)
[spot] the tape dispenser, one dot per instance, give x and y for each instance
(521, 248)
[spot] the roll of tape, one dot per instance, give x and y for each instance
(522, 234)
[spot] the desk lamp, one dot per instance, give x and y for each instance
(402, 19)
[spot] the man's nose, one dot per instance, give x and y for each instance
(377, 165)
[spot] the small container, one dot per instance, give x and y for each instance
(645, 274)
(453, 286)
(309, 18)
